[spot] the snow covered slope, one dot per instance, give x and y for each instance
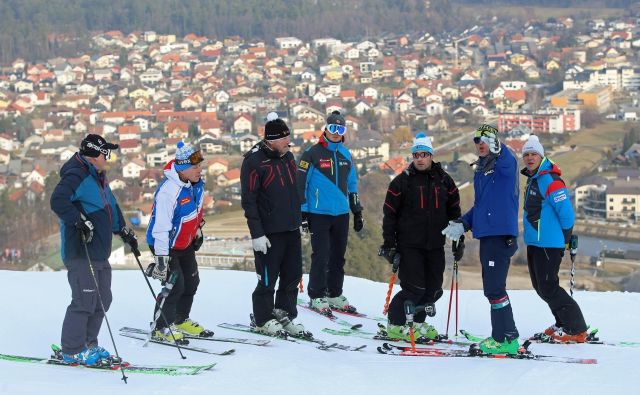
(33, 306)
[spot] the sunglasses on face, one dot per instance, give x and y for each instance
(193, 159)
(337, 129)
(418, 155)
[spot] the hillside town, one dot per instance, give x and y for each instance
(146, 91)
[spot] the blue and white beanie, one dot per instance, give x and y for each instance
(183, 153)
(422, 143)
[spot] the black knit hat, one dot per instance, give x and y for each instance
(275, 128)
(335, 118)
(93, 145)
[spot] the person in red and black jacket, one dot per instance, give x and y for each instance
(420, 202)
(272, 208)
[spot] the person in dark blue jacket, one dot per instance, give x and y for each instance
(89, 214)
(494, 221)
(328, 189)
(548, 223)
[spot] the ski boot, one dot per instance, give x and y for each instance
(400, 332)
(164, 335)
(295, 330)
(341, 303)
(87, 357)
(192, 328)
(424, 330)
(551, 330)
(321, 305)
(560, 336)
(271, 328)
(104, 354)
(491, 346)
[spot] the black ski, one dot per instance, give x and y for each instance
(253, 342)
(185, 347)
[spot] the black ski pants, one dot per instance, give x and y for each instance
(329, 235)
(544, 264)
(495, 257)
(421, 273)
(283, 260)
(177, 305)
(84, 315)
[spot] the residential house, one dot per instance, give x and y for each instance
(229, 177)
(132, 168)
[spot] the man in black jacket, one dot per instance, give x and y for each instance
(420, 202)
(272, 208)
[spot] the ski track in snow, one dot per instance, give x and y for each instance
(34, 304)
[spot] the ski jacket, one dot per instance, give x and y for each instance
(269, 195)
(82, 190)
(326, 176)
(548, 215)
(176, 215)
(496, 195)
(418, 205)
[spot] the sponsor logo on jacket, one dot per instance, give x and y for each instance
(184, 201)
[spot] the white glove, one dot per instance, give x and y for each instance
(161, 267)
(261, 244)
(494, 144)
(454, 230)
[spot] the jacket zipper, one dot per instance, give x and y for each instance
(421, 196)
(280, 174)
(436, 196)
(317, 198)
(335, 160)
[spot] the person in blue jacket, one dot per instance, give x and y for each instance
(494, 221)
(328, 189)
(89, 216)
(548, 223)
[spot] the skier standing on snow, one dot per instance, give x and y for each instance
(272, 209)
(548, 223)
(174, 235)
(419, 203)
(327, 186)
(494, 221)
(89, 214)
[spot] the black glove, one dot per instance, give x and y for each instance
(389, 253)
(354, 203)
(198, 240)
(458, 249)
(128, 236)
(358, 222)
(304, 225)
(161, 267)
(85, 227)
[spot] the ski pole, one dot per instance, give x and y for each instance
(454, 278)
(573, 245)
(136, 254)
(162, 297)
(455, 270)
(301, 286)
(106, 319)
(409, 310)
(392, 280)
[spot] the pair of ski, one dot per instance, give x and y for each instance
(351, 311)
(141, 334)
(475, 352)
(165, 370)
(321, 344)
(545, 339)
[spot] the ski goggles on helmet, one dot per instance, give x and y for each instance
(486, 131)
(336, 129)
(193, 159)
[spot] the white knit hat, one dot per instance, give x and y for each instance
(422, 143)
(533, 145)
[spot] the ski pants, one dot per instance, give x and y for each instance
(495, 257)
(84, 315)
(544, 264)
(177, 305)
(329, 234)
(421, 274)
(283, 260)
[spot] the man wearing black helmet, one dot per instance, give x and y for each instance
(89, 215)
(328, 189)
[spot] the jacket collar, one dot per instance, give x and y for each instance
(171, 174)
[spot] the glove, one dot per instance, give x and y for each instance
(261, 244)
(198, 240)
(128, 236)
(458, 249)
(358, 221)
(85, 227)
(354, 203)
(494, 143)
(389, 253)
(304, 226)
(161, 267)
(454, 230)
